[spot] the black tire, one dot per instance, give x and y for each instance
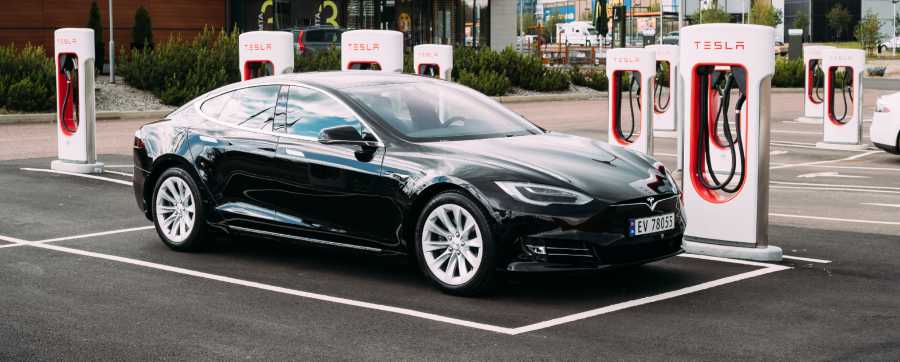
(196, 238)
(485, 278)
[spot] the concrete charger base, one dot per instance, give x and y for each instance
(842, 146)
(769, 253)
(65, 166)
(809, 120)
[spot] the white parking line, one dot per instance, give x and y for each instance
(811, 260)
(813, 188)
(97, 234)
(119, 173)
(857, 221)
(880, 204)
(770, 268)
(126, 183)
(854, 157)
(765, 269)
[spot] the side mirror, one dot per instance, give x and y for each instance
(340, 135)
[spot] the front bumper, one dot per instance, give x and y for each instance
(597, 240)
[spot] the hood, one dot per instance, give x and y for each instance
(607, 173)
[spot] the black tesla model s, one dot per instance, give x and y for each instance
(390, 163)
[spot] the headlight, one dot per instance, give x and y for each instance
(542, 195)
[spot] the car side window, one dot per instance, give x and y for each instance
(310, 111)
(315, 36)
(252, 107)
(213, 106)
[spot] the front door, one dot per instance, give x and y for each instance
(331, 192)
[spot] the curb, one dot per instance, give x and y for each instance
(101, 116)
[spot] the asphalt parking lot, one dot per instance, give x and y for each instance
(85, 276)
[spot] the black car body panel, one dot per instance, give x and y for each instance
(370, 197)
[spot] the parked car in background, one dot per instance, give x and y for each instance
(317, 37)
(781, 48)
(670, 38)
(577, 33)
(889, 44)
(885, 131)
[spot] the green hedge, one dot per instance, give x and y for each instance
(788, 73)
(26, 79)
(318, 61)
(176, 70)
(523, 71)
(594, 79)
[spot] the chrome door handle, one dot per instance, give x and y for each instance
(397, 176)
(294, 152)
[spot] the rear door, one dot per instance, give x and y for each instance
(236, 154)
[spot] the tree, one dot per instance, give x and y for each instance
(763, 13)
(801, 22)
(549, 31)
(868, 31)
(839, 20)
(95, 23)
(142, 32)
(711, 15)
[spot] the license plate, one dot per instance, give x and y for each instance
(652, 224)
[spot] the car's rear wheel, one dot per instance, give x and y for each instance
(177, 212)
(454, 245)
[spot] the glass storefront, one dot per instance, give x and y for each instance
(456, 22)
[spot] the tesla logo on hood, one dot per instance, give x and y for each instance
(651, 204)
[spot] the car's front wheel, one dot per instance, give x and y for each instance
(177, 212)
(454, 245)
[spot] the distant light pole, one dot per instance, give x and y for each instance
(112, 47)
(894, 38)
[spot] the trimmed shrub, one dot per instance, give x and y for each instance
(524, 71)
(26, 79)
(488, 82)
(320, 60)
(594, 79)
(95, 23)
(142, 32)
(876, 71)
(788, 73)
(176, 71)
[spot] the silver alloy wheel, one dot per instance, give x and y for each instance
(452, 245)
(175, 211)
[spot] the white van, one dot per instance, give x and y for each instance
(577, 33)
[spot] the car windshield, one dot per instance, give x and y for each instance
(435, 111)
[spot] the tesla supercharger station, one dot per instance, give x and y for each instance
(727, 70)
(667, 96)
(631, 72)
(372, 50)
(843, 99)
(433, 60)
(75, 112)
(665, 91)
(813, 89)
(264, 53)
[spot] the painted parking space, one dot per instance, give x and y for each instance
(391, 281)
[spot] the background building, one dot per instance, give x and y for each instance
(458, 22)
(34, 21)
